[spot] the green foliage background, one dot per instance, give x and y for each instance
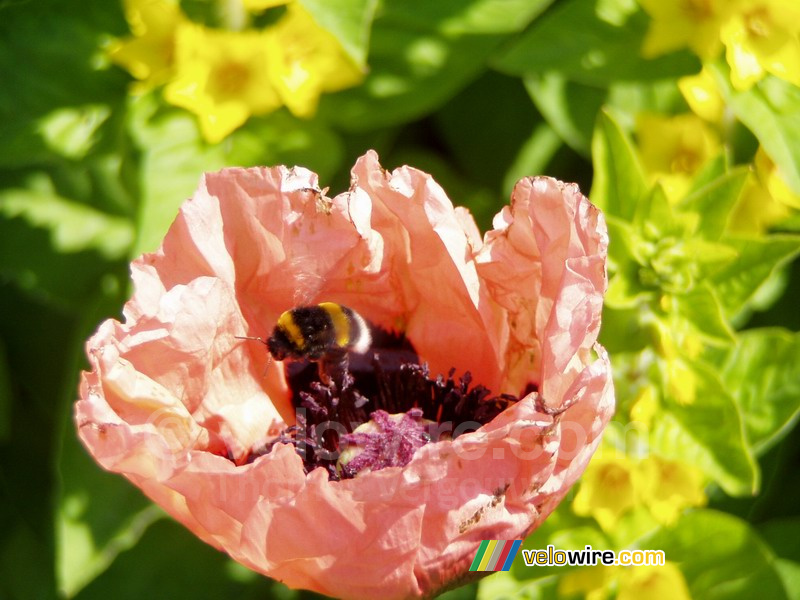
(479, 93)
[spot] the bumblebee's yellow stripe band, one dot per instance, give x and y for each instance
(287, 324)
(341, 325)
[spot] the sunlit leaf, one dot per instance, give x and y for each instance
(758, 259)
(619, 182)
(763, 373)
(707, 433)
(721, 557)
(714, 201)
(701, 307)
(175, 157)
(421, 53)
(592, 43)
(348, 20)
(769, 110)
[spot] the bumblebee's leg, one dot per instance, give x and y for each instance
(334, 369)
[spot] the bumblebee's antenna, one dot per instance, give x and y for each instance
(248, 337)
(263, 341)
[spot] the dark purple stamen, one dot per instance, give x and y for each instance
(390, 389)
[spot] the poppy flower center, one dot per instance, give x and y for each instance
(388, 406)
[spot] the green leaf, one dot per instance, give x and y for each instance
(533, 156)
(707, 433)
(721, 556)
(53, 104)
(506, 115)
(99, 515)
(5, 396)
(714, 201)
(348, 20)
(619, 182)
(769, 110)
(701, 307)
(592, 43)
(763, 373)
(174, 157)
(421, 53)
(60, 252)
(570, 108)
(758, 259)
(73, 227)
(170, 562)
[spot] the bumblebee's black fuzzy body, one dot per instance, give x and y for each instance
(313, 332)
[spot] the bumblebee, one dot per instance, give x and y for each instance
(324, 333)
(314, 331)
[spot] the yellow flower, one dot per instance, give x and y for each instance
(592, 583)
(770, 178)
(676, 24)
(702, 95)
(761, 37)
(645, 406)
(667, 487)
(222, 77)
(674, 148)
(653, 582)
(261, 5)
(148, 53)
(606, 491)
(306, 60)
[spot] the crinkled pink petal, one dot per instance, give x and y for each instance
(175, 402)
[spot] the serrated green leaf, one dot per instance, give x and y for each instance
(619, 182)
(769, 110)
(707, 433)
(758, 259)
(174, 157)
(703, 310)
(721, 556)
(714, 201)
(348, 20)
(421, 53)
(762, 371)
(589, 45)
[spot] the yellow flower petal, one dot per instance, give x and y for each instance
(260, 5)
(756, 211)
(677, 24)
(673, 149)
(663, 582)
(306, 60)
(606, 491)
(222, 77)
(591, 583)
(762, 37)
(148, 54)
(668, 487)
(702, 95)
(770, 177)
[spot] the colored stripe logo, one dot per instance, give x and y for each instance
(495, 555)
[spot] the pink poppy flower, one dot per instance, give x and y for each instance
(190, 413)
